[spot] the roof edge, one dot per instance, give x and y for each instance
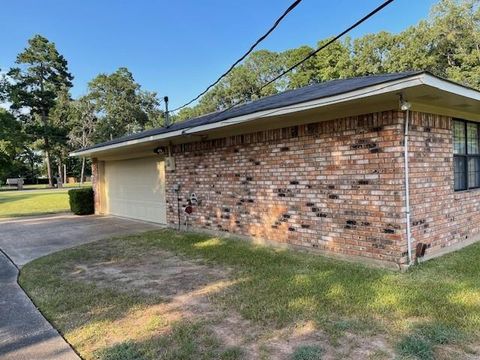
(415, 79)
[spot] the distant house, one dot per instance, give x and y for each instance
(321, 167)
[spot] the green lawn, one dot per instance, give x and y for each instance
(43, 186)
(33, 202)
(113, 300)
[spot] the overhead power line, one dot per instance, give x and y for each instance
(316, 51)
(260, 39)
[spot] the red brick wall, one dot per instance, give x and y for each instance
(440, 216)
(335, 186)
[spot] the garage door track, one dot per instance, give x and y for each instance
(24, 332)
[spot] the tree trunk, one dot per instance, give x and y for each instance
(45, 137)
(31, 162)
(32, 169)
(82, 173)
(60, 176)
(49, 167)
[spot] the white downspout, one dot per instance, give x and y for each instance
(405, 106)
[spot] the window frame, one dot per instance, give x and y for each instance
(466, 156)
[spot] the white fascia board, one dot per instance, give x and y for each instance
(126, 143)
(388, 87)
(332, 100)
(450, 87)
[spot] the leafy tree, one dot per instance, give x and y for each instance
(59, 118)
(447, 44)
(414, 49)
(12, 151)
(371, 53)
(83, 122)
(304, 74)
(121, 106)
(33, 89)
(150, 104)
(334, 62)
(190, 112)
(244, 83)
(455, 28)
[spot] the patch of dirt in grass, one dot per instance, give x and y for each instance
(464, 352)
(185, 288)
(282, 343)
(161, 273)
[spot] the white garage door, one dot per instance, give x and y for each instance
(136, 189)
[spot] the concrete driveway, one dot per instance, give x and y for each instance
(24, 332)
(26, 239)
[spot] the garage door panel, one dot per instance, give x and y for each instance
(136, 188)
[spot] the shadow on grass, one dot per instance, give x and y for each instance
(283, 286)
(185, 341)
(434, 302)
(422, 341)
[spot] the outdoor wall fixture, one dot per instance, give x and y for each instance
(159, 150)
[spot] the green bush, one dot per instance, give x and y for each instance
(81, 201)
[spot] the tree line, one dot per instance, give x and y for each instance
(447, 44)
(43, 123)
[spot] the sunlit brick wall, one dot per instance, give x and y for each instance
(440, 216)
(335, 186)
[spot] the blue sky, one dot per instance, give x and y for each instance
(177, 48)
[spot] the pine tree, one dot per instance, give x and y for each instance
(33, 89)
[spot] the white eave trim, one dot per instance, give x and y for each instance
(388, 87)
(450, 87)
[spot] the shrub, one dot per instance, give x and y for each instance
(81, 201)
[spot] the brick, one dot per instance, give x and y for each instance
(321, 186)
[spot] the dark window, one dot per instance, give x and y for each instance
(466, 150)
(460, 169)
(458, 137)
(474, 172)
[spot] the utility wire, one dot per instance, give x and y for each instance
(314, 52)
(263, 37)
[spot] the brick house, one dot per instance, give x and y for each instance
(319, 168)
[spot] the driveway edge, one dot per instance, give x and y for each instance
(35, 305)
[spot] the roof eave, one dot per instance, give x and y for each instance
(370, 91)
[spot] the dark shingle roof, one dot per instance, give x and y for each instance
(291, 97)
